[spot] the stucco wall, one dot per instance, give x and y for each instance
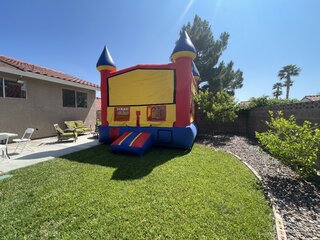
(238, 126)
(302, 111)
(248, 122)
(42, 108)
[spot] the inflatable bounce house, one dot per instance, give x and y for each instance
(149, 105)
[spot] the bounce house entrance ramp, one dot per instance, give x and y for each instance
(132, 142)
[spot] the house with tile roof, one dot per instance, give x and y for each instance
(311, 98)
(37, 97)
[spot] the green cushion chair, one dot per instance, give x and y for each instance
(96, 130)
(62, 135)
(80, 125)
(71, 126)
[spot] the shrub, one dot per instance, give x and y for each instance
(295, 146)
(218, 107)
(265, 101)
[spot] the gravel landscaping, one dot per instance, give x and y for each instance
(298, 201)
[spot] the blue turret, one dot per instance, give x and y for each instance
(105, 61)
(184, 47)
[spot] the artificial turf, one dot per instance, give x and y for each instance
(167, 194)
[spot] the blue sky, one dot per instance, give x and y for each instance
(69, 36)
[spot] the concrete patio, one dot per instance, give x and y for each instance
(43, 150)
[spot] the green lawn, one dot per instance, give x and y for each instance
(167, 194)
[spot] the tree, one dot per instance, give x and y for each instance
(217, 76)
(286, 73)
(216, 99)
(277, 87)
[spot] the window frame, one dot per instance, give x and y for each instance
(86, 101)
(161, 108)
(75, 98)
(121, 117)
(3, 89)
(11, 79)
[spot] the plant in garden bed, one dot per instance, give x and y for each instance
(294, 145)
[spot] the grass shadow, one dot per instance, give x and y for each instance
(127, 167)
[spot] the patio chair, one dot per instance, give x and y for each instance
(78, 126)
(62, 135)
(95, 133)
(3, 145)
(22, 142)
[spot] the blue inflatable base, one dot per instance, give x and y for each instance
(133, 143)
(179, 137)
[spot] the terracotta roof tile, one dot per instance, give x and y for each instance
(312, 97)
(29, 67)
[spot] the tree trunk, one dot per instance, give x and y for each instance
(288, 86)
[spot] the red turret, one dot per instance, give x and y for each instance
(182, 56)
(105, 66)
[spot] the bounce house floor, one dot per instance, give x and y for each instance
(133, 142)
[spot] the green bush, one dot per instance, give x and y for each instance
(265, 101)
(295, 146)
(217, 107)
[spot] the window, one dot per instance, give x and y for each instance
(71, 98)
(81, 99)
(121, 114)
(156, 113)
(12, 88)
(1, 87)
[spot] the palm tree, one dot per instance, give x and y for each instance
(286, 73)
(278, 89)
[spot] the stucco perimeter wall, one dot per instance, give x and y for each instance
(254, 120)
(42, 108)
(302, 111)
(238, 126)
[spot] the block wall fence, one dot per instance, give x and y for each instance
(248, 122)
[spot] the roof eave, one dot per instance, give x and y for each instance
(47, 78)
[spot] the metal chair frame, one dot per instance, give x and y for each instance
(22, 142)
(3, 147)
